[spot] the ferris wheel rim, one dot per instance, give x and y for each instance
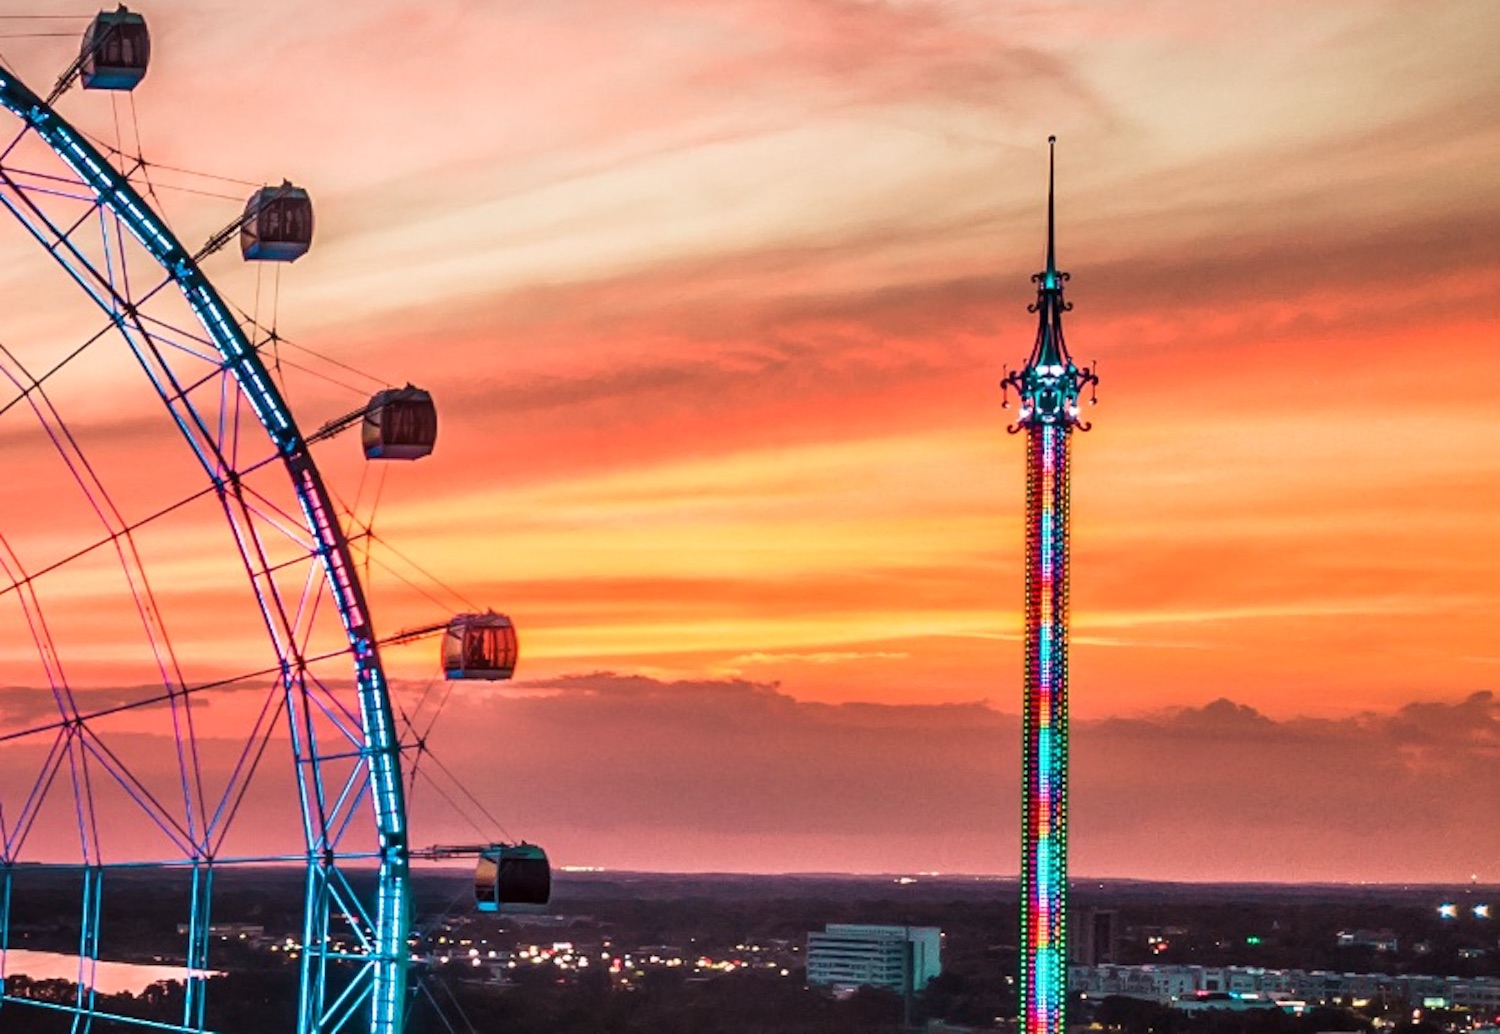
(115, 193)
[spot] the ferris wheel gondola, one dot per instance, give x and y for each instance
(396, 424)
(474, 646)
(399, 424)
(512, 874)
(115, 52)
(277, 225)
(480, 646)
(504, 874)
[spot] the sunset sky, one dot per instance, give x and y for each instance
(715, 297)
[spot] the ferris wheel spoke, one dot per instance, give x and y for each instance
(305, 749)
(83, 800)
(95, 210)
(351, 907)
(23, 581)
(245, 767)
(36, 382)
(304, 621)
(58, 236)
(61, 187)
(88, 940)
(273, 516)
(182, 338)
(260, 568)
(59, 243)
(336, 800)
(350, 798)
(15, 836)
(75, 718)
(124, 316)
(177, 339)
(15, 141)
(169, 669)
(349, 999)
(200, 924)
(36, 626)
(113, 1018)
(217, 373)
(112, 245)
(334, 706)
(200, 435)
(124, 313)
(137, 791)
(69, 724)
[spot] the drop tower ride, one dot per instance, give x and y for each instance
(1049, 387)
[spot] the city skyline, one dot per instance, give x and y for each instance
(714, 305)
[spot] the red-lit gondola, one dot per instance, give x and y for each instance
(277, 225)
(399, 424)
(480, 646)
(116, 50)
(512, 874)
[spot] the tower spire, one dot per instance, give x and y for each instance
(1050, 383)
(1051, 273)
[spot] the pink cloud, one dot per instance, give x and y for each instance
(733, 774)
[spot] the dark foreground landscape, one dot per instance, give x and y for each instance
(619, 952)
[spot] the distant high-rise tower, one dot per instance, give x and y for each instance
(1049, 388)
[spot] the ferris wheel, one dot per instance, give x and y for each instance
(191, 687)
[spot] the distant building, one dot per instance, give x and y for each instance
(1380, 940)
(1098, 937)
(1249, 987)
(254, 932)
(854, 955)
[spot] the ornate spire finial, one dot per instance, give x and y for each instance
(1051, 223)
(1051, 383)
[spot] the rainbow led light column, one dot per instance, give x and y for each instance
(1049, 389)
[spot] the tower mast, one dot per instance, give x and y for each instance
(1049, 388)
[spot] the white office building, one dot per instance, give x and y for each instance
(854, 955)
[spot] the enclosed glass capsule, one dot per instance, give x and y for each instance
(400, 424)
(512, 874)
(116, 49)
(480, 646)
(277, 225)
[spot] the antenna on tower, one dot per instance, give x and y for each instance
(1051, 222)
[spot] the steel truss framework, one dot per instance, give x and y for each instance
(92, 795)
(1049, 388)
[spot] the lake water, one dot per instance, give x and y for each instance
(109, 977)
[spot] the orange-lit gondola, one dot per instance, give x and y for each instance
(399, 424)
(480, 646)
